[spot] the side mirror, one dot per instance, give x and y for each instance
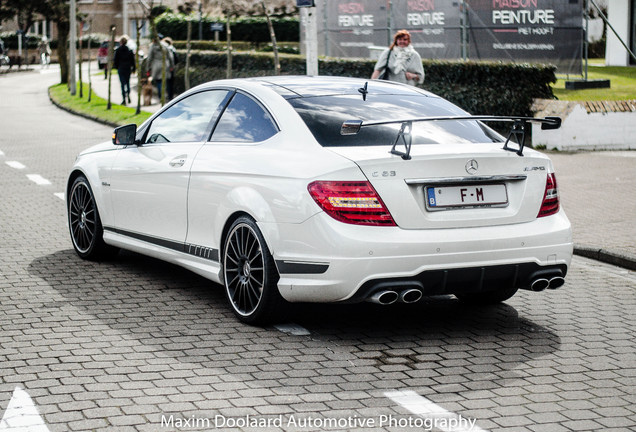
(125, 135)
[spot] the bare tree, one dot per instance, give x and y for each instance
(187, 8)
(109, 64)
(246, 7)
(272, 35)
(228, 32)
(90, 57)
(150, 12)
(54, 10)
(139, 25)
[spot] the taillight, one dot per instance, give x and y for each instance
(550, 204)
(351, 202)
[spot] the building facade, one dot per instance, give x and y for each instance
(98, 16)
(622, 17)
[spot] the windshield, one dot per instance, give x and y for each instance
(324, 116)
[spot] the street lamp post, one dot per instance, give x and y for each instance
(308, 15)
(124, 16)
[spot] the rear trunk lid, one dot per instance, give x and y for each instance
(455, 185)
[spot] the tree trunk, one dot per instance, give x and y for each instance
(272, 35)
(81, 83)
(63, 30)
(140, 75)
(187, 64)
(90, 59)
(109, 65)
(228, 72)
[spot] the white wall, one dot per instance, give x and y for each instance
(581, 130)
(618, 15)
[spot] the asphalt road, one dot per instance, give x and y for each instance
(135, 344)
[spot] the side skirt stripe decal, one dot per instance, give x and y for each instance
(199, 251)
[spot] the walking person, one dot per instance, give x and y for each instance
(156, 63)
(400, 62)
(170, 80)
(44, 50)
(124, 62)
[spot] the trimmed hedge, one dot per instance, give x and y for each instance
(484, 88)
(249, 29)
(11, 40)
(283, 47)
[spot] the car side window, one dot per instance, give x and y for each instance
(188, 120)
(244, 120)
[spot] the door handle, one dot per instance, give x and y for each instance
(178, 161)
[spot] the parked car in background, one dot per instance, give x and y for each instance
(102, 51)
(325, 189)
(102, 54)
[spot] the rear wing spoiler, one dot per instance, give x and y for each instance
(518, 130)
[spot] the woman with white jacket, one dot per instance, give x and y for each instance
(400, 61)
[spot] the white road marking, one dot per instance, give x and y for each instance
(60, 195)
(22, 415)
(293, 329)
(38, 179)
(15, 164)
(1, 153)
(438, 416)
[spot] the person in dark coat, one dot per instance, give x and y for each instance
(124, 62)
(170, 79)
(159, 58)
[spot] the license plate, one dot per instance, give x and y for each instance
(442, 197)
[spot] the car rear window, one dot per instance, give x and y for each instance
(324, 116)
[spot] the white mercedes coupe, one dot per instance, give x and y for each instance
(326, 189)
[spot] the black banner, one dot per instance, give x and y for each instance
(434, 26)
(540, 31)
(354, 26)
(537, 31)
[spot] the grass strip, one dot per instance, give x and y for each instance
(96, 109)
(622, 85)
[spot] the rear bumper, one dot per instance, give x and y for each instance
(322, 260)
(467, 280)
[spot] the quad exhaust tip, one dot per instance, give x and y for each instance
(556, 282)
(542, 283)
(387, 297)
(539, 284)
(410, 296)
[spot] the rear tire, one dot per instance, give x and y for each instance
(249, 274)
(488, 297)
(85, 225)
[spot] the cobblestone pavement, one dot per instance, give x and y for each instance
(597, 193)
(123, 344)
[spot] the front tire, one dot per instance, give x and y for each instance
(85, 224)
(249, 274)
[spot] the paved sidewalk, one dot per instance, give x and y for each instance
(100, 87)
(596, 191)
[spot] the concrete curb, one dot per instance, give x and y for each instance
(613, 257)
(87, 116)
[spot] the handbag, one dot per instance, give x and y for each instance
(385, 73)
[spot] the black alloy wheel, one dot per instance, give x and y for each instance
(249, 274)
(84, 223)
